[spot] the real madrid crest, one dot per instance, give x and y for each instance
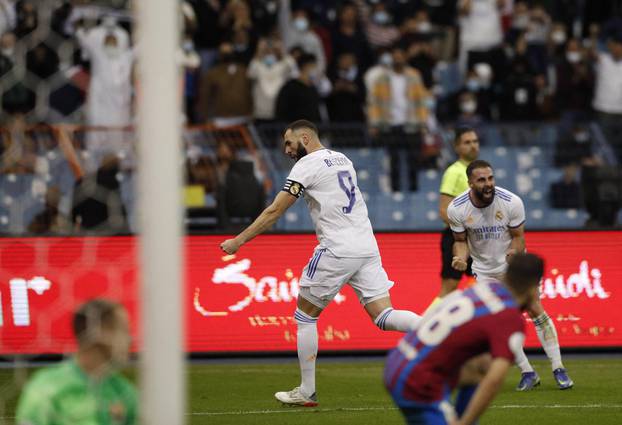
(499, 215)
(294, 189)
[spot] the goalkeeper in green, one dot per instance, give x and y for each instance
(87, 389)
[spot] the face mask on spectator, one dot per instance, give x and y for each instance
(8, 52)
(573, 57)
(269, 60)
(472, 84)
(301, 24)
(188, 46)
(381, 17)
(430, 103)
(424, 27)
(386, 59)
(582, 136)
(468, 106)
(558, 37)
(349, 74)
(240, 47)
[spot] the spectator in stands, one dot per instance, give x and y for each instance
(243, 46)
(398, 113)
(268, 71)
(518, 100)
(421, 56)
(348, 37)
(8, 16)
(574, 149)
(574, 83)
(481, 34)
(205, 38)
(608, 92)
(109, 100)
(7, 51)
(384, 62)
(537, 37)
(19, 151)
(225, 91)
(97, 204)
(89, 386)
(468, 115)
(50, 220)
(566, 193)
(345, 103)
(296, 30)
(378, 24)
(191, 62)
(27, 19)
(42, 61)
(299, 98)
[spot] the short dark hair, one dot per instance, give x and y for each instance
(300, 124)
(91, 317)
(460, 131)
(478, 163)
(524, 271)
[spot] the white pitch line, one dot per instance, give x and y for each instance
(369, 409)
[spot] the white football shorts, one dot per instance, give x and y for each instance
(325, 275)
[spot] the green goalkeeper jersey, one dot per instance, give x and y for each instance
(65, 395)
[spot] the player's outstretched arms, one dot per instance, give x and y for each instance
(266, 219)
(486, 391)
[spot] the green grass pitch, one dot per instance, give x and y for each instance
(352, 393)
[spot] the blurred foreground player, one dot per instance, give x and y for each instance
(488, 223)
(87, 389)
(347, 250)
(454, 335)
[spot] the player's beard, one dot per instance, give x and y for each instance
(481, 197)
(300, 152)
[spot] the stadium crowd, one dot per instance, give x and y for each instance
(400, 69)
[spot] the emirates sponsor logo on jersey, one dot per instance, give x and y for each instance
(587, 282)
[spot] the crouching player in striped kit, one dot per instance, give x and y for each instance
(347, 251)
(469, 336)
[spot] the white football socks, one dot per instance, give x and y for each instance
(307, 341)
(547, 334)
(523, 362)
(397, 320)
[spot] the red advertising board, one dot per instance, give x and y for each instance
(245, 302)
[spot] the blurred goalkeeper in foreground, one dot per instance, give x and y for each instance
(87, 389)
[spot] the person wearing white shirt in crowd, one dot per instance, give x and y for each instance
(109, 100)
(480, 30)
(269, 70)
(488, 223)
(296, 30)
(608, 92)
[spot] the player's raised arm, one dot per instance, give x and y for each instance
(266, 219)
(486, 390)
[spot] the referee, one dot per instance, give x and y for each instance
(466, 145)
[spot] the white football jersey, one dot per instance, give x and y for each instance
(327, 181)
(488, 234)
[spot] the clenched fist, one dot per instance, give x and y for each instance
(230, 246)
(459, 264)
